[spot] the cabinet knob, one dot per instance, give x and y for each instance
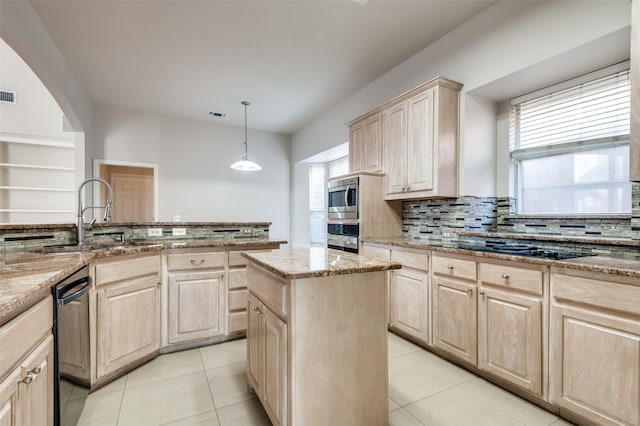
(505, 276)
(449, 266)
(481, 293)
(470, 291)
(257, 310)
(36, 370)
(27, 379)
(197, 261)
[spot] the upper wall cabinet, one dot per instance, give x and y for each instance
(635, 91)
(365, 147)
(420, 139)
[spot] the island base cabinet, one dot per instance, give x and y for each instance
(267, 359)
(9, 411)
(36, 394)
(510, 337)
(595, 365)
(128, 324)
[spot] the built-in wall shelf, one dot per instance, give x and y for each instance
(30, 188)
(33, 166)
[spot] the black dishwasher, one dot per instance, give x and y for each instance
(71, 341)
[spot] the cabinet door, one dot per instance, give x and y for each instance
(373, 144)
(394, 140)
(356, 147)
(420, 134)
(9, 411)
(36, 396)
(594, 364)
(128, 324)
(409, 303)
(454, 318)
(274, 366)
(254, 352)
(196, 306)
(510, 337)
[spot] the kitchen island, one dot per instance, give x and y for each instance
(317, 336)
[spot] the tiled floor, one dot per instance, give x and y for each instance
(207, 386)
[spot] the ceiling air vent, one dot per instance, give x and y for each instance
(7, 97)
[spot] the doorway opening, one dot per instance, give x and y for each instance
(135, 189)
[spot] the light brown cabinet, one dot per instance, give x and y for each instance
(26, 367)
(365, 144)
(634, 156)
(420, 140)
(237, 297)
(128, 311)
(196, 301)
(510, 323)
(595, 346)
(409, 295)
(454, 299)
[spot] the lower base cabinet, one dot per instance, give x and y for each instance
(409, 303)
(595, 348)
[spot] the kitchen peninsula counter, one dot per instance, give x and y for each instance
(317, 336)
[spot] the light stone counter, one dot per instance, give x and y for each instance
(298, 262)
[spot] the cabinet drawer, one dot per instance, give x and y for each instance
(237, 278)
(516, 278)
(411, 259)
(237, 321)
(454, 267)
(237, 300)
(272, 293)
(377, 252)
(112, 271)
(195, 260)
(21, 334)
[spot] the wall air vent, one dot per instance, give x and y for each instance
(217, 114)
(7, 97)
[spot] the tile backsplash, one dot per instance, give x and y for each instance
(444, 218)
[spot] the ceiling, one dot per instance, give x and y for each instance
(293, 60)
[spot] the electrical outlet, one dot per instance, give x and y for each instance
(446, 234)
(154, 232)
(178, 232)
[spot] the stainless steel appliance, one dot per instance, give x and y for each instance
(342, 198)
(71, 337)
(343, 237)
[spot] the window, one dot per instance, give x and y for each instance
(317, 215)
(570, 146)
(339, 167)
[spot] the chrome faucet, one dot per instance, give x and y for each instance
(107, 208)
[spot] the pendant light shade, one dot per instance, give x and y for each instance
(245, 164)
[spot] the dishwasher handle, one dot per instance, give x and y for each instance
(62, 296)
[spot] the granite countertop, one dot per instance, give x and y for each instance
(298, 262)
(27, 276)
(604, 264)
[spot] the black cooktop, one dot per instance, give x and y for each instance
(519, 250)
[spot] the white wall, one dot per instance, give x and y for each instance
(193, 159)
(503, 41)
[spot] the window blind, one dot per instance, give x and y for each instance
(593, 113)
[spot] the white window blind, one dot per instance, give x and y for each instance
(317, 214)
(569, 144)
(339, 167)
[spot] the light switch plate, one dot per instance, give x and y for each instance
(178, 232)
(154, 232)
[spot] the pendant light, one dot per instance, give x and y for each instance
(245, 164)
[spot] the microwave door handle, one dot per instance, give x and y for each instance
(346, 197)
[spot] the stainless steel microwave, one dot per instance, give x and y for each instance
(343, 198)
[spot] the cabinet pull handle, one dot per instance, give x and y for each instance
(28, 379)
(505, 276)
(450, 267)
(470, 291)
(481, 293)
(197, 261)
(36, 370)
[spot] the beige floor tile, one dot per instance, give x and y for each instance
(455, 407)
(561, 422)
(509, 403)
(166, 366)
(229, 385)
(401, 417)
(393, 405)
(66, 387)
(215, 356)
(408, 382)
(116, 385)
(441, 367)
(245, 413)
(396, 346)
(99, 410)
(166, 401)
(210, 418)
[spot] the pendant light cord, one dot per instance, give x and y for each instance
(246, 150)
